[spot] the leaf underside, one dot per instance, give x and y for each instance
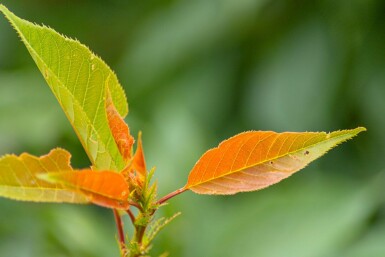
(80, 80)
(119, 130)
(19, 178)
(257, 159)
(105, 188)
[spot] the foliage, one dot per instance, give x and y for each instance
(255, 160)
(20, 178)
(78, 185)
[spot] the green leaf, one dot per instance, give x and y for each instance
(80, 81)
(19, 178)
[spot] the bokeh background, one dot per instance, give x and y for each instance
(195, 73)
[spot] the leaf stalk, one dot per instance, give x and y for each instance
(171, 195)
(119, 226)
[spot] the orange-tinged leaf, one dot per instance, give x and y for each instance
(135, 172)
(119, 129)
(257, 159)
(19, 181)
(105, 188)
(138, 161)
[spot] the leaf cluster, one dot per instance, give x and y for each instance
(95, 104)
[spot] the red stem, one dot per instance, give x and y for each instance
(131, 215)
(136, 205)
(119, 226)
(171, 195)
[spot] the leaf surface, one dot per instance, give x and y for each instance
(119, 130)
(257, 159)
(136, 171)
(79, 80)
(105, 188)
(138, 161)
(19, 178)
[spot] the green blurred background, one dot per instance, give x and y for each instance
(195, 73)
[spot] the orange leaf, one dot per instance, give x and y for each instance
(139, 162)
(254, 160)
(136, 171)
(19, 178)
(105, 188)
(119, 129)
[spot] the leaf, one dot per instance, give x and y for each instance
(138, 161)
(136, 171)
(119, 129)
(257, 159)
(79, 80)
(19, 181)
(105, 188)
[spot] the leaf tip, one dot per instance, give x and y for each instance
(5, 11)
(348, 133)
(360, 129)
(357, 130)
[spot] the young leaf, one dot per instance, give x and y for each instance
(119, 129)
(79, 80)
(254, 160)
(136, 171)
(138, 161)
(105, 188)
(19, 181)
